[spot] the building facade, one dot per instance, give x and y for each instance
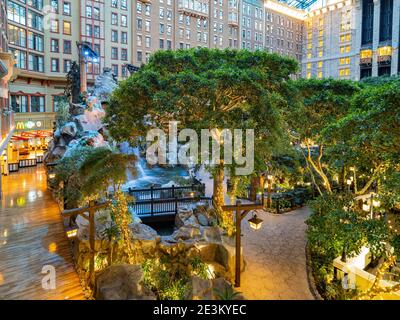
(348, 39)
(43, 36)
(352, 39)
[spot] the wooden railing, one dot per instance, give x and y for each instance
(152, 209)
(166, 192)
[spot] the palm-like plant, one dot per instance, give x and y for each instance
(104, 167)
(228, 293)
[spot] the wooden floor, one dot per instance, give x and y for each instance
(31, 237)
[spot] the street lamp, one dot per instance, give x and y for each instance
(85, 52)
(255, 222)
(241, 211)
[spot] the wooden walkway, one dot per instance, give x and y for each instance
(31, 237)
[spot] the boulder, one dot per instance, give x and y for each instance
(76, 109)
(69, 129)
(201, 289)
(142, 231)
(182, 215)
(186, 233)
(212, 234)
(122, 282)
(90, 120)
(203, 219)
(104, 85)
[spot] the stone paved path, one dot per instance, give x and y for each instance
(275, 258)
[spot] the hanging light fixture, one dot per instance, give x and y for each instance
(255, 222)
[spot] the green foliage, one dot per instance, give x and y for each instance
(67, 172)
(63, 115)
(162, 281)
(228, 293)
(200, 268)
(336, 228)
(104, 167)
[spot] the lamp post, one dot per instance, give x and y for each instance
(85, 51)
(241, 210)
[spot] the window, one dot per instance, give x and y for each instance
(124, 54)
(139, 24)
(309, 65)
(147, 24)
(89, 11)
(54, 6)
(96, 31)
(35, 41)
(148, 42)
(147, 10)
(19, 104)
(114, 19)
(319, 74)
(54, 45)
(124, 72)
(96, 48)
(54, 26)
(35, 20)
(139, 56)
(16, 36)
(139, 7)
(114, 35)
(55, 65)
(161, 43)
(320, 64)
(67, 66)
(114, 3)
(139, 40)
(96, 13)
(37, 104)
(67, 27)
(20, 58)
(89, 30)
(124, 5)
(114, 68)
(124, 37)
(16, 13)
(124, 20)
(67, 8)
(114, 53)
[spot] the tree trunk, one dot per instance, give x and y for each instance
(225, 218)
(257, 185)
(234, 186)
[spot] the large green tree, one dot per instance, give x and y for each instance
(318, 103)
(206, 89)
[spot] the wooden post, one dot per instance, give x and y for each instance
(92, 230)
(151, 197)
(92, 209)
(277, 206)
(238, 245)
(173, 191)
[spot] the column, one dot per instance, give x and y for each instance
(375, 38)
(395, 36)
(356, 39)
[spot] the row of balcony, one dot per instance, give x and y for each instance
(384, 56)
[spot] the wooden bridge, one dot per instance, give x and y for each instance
(161, 204)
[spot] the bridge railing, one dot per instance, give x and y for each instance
(167, 192)
(152, 207)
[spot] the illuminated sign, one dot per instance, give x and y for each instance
(28, 125)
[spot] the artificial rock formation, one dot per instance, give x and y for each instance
(85, 125)
(122, 282)
(190, 240)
